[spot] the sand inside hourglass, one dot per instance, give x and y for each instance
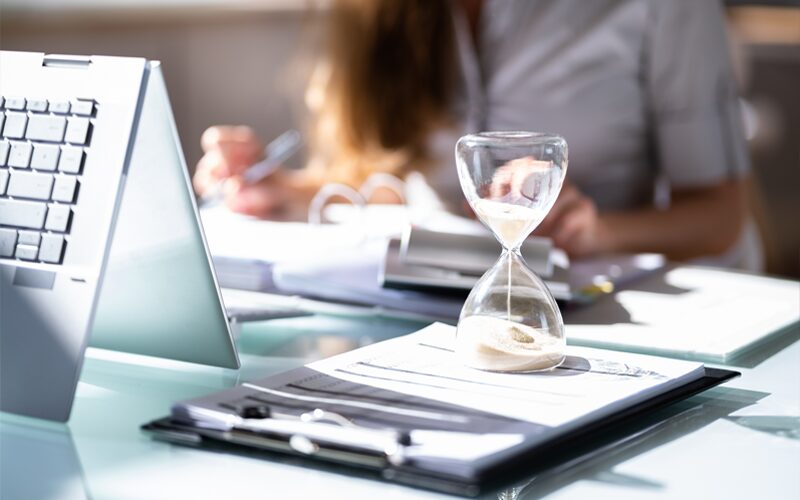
(511, 223)
(496, 344)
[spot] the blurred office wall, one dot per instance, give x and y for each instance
(241, 61)
(767, 52)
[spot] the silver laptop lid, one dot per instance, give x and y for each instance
(160, 296)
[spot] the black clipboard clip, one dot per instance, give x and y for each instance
(311, 433)
(390, 464)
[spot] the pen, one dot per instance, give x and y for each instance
(276, 152)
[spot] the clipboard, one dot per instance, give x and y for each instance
(328, 435)
(492, 475)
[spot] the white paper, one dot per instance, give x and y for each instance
(591, 381)
(700, 313)
(339, 262)
(236, 236)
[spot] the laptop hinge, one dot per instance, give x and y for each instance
(65, 61)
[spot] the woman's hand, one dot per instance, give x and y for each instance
(700, 221)
(274, 197)
(229, 151)
(574, 225)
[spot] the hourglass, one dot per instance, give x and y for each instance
(510, 321)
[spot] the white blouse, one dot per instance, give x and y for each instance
(642, 90)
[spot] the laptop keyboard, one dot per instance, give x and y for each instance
(42, 152)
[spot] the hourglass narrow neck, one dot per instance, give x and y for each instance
(514, 255)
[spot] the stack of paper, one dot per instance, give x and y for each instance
(334, 262)
(352, 275)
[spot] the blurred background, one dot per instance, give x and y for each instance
(246, 61)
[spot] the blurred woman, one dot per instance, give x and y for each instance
(642, 91)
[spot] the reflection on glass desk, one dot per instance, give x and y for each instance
(741, 440)
(29, 453)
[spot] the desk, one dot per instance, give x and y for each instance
(741, 440)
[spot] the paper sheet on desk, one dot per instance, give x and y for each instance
(393, 219)
(241, 237)
(690, 312)
(590, 381)
(337, 262)
(352, 275)
(233, 236)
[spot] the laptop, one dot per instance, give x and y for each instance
(72, 130)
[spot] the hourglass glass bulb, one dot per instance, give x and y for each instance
(510, 321)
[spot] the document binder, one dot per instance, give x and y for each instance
(323, 412)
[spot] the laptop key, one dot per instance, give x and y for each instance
(46, 128)
(77, 130)
(60, 107)
(3, 181)
(64, 188)
(29, 238)
(45, 157)
(71, 159)
(58, 218)
(26, 252)
(8, 242)
(15, 103)
(51, 248)
(39, 105)
(20, 154)
(30, 185)
(83, 107)
(25, 214)
(14, 127)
